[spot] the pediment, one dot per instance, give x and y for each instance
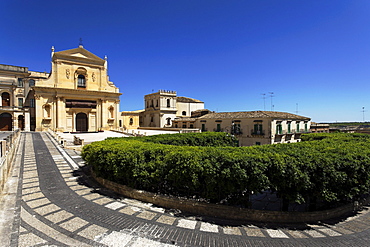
(78, 53)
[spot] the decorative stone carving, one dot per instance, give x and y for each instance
(93, 77)
(68, 73)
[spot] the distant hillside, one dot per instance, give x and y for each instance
(350, 124)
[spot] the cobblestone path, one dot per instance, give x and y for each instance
(50, 202)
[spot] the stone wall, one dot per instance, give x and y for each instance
(7, 150)
(227, 212)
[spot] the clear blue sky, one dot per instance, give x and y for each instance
(226, 53)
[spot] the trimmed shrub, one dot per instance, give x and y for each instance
(208, 166)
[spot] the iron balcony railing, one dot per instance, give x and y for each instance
(258, 132)
(291, 132)
(10, 108)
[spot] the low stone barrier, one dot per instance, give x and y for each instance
(227, 212)
(7, 150)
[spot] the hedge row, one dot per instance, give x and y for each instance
(207, 139)
(323, 167)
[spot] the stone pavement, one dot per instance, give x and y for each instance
(50, 201)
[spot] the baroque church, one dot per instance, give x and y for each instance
(76, 96)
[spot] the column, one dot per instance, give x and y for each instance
(27, 123)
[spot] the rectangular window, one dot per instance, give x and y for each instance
(289, 128)
(257, 129)
(203, 127)
(32, 103)
(20, 102)
(305, 127)
(297, 127)
(218, 128)
(279, 129)
(237, 129)
(20, 82)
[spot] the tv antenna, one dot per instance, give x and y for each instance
(271, 96)
(264, 101)
(296, 108)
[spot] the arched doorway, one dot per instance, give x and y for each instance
(5, 98)
(6, 122)
(21, 122)
(81, 122)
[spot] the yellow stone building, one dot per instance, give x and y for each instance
(129, 120)
(76, 96)
(12, 95)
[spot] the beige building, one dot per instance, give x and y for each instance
(76, 96)
(129, 120)
(256, 127)
(12, 97)
(162, 107)
(319, 127)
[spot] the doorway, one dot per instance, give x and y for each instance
(21, 122)
(81, 122)
(6, 122)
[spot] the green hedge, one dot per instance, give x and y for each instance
(328, 167)
(207, 139)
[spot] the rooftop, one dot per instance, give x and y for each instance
(254, 114)
(13, 68)
(188, 100)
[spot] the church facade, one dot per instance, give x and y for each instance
(76, 96)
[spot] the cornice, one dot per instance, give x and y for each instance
(68, 92)
(79, 61)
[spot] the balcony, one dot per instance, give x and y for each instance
(218, 130)
(257, 133)
(11, 108)
(300, 131)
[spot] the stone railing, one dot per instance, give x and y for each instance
(7, 150)
(57, 138)
(64, 143)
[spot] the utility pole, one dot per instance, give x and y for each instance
(363, 113)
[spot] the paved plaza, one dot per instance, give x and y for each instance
(50, 200)
(99, 136)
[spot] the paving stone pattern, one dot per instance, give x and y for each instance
(57, 209)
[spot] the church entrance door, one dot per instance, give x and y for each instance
(81, 122)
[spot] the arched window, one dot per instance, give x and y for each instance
(81, 77)
(81, 81)
(5, 99)
(131, 121)
(184, 113)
